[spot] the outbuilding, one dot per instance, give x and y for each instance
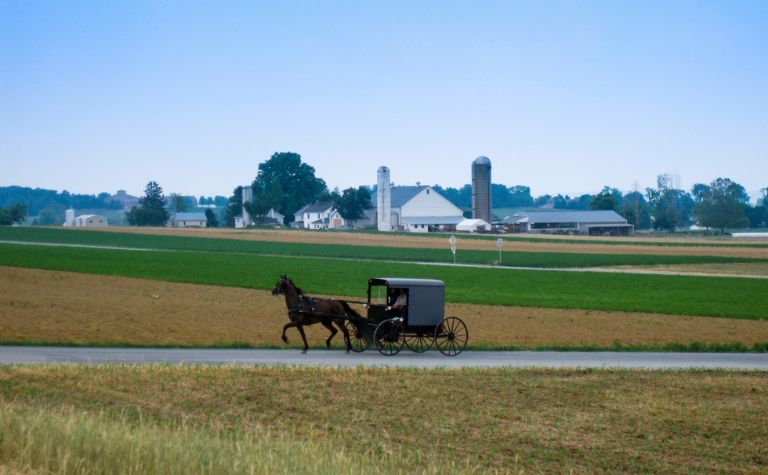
(595, 223)
(473, 225)
(188, 220)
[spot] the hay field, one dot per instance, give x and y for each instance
(511, 244)
(53, 306)
(401, 420)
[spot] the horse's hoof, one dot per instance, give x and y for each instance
(303, 352)
(285, 340)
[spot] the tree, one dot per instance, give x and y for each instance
(608, 199)
(671, 207)
(178, 203)
(284, 184)
(636, 211)
(13, 214)
(234, 206)
(353, 202)
(722, 205)
(211, 217)
(542, 200)
(151, 210)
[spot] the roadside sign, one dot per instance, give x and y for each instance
(500, 244)
(452, 241)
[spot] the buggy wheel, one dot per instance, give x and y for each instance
(356, 338)
(419, 342)
(389, 337)
(451, 336)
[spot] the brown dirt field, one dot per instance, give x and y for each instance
(510, 244)
(730, 269)
(53, 306)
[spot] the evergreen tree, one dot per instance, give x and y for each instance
(151, 210)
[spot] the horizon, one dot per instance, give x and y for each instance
(564, 98)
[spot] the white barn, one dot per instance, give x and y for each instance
(418, 209)
(188, 220)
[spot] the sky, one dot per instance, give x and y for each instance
(562, 96)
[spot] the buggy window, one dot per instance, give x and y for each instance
(378, 295)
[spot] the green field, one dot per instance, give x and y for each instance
(511, 259)
(685, 295)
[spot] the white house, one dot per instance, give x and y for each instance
(319, 216)
(188, 220)
(417, 209)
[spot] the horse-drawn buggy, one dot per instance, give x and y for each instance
(400, 312)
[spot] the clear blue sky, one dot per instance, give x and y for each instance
(562, 96)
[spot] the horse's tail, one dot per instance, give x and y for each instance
(349, 310)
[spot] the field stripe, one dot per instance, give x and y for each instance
(696, 296)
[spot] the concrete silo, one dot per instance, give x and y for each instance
(383, 199)
(481, 189)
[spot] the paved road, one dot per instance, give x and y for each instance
(550, 359)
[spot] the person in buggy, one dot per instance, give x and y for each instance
(399, 303)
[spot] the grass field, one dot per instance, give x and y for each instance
(45, 307)
(420, 254)
(210, 419)
(697, 296)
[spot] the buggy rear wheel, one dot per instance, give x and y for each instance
(419, 342)
(389, 337)
(357, 340)
(451, 336)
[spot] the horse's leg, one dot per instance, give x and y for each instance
(303, 337)
(286, 327)
(346, 334)
(333, 331)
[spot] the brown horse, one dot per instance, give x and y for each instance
(304, 310)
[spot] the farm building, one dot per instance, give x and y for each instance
(188, 220)
(318, 216)
(271, 218)
(597, 223)
(416, 209)
(473, 225)
(84, 220)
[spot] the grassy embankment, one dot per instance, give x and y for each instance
(347, 251)
(229, 419)
(696, 296)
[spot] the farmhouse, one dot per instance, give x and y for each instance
(321, 215)
(416, 209)
(188, 220)
(596, 223)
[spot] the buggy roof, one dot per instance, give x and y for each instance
(400, 282)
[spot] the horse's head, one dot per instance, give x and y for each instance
(284, 286)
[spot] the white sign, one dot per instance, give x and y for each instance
(452, 240)
(500, 242)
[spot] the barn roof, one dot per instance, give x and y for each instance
(400, 195)
(190, 217)
(566, 217)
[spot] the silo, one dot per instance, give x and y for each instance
(481, 188)
(383, 199)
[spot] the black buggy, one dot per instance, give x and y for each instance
(418, 324)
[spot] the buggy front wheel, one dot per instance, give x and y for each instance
(357, 340)
(451, 336)
(389, 337)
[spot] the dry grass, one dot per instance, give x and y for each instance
(510, 245)
(726, 269)
(61, 306)
(509, 420)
